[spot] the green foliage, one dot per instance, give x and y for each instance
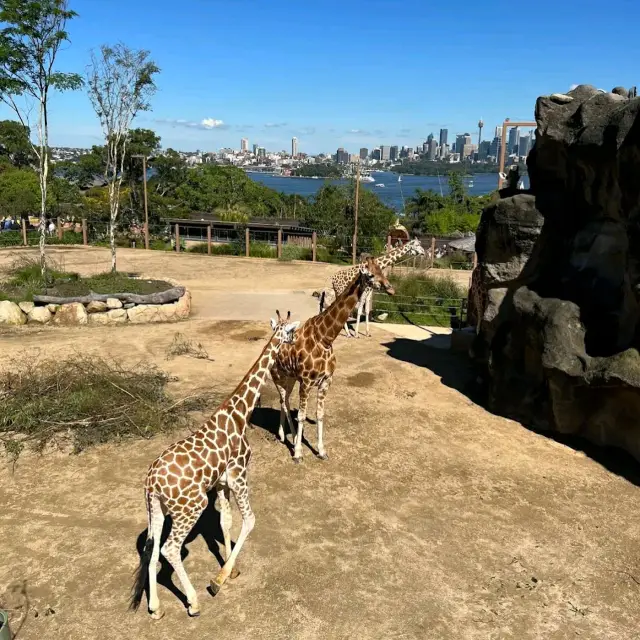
(294, 252)
(424, 167)
(171, 172)
(320, 170)
(19, 192)
(88, 401)
(262, 250)
(83, 171)
(15, 144)
(454, 260)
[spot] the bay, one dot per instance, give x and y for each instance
(392, 194)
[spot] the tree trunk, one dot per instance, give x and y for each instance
(113, 210)
(43, 134)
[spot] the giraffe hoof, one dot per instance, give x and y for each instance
(234, 573)
(323, 456)
(193, 612)
(215, 588)
(297, 460)
(158, 614)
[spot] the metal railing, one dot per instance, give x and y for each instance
(433, 311)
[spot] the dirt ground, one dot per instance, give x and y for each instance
(432, 518)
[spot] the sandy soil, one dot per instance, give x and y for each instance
(431, 519)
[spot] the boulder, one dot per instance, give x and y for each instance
(114, 303)
(559, 265)
(53, 307)
(114, 316)
(73, 313)
(39, 315)
(25, 307)
(147, 313)
(183, 306)
(95, 306)
(11, 314)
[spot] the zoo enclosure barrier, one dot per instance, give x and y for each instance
(305, 245)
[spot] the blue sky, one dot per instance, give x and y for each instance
(347, 73)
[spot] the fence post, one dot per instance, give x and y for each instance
(84, 232)
(146, 235)
(59, 229)
(433, 250)
(177, 238)
(208, 239)
(475, 259)
(247, 251)
(389, 242)
(279, 252)
(24, 232)
(314, 246)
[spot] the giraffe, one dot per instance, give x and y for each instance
(310, 360)
(340, 280)
(217, 455)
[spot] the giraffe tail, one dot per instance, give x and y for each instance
(316, 294)
(322, 297)
(141, 574)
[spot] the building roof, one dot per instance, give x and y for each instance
(464, 244)
(269, 223)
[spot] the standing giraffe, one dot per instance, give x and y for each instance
(340, 280)
(310, 360)
(217, 455)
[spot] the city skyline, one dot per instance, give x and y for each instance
(290, 81)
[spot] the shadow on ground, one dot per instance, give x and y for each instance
(457, 371)
(268, 420)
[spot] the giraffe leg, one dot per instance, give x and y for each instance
(346, 329)
(359, 313)
(225, 525)
(322, 394)
(240, 492)
(182, 523)
(302, 416)
(367, 313)
(284, 387)
(156, 521)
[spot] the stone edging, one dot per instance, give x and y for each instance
(95, 313)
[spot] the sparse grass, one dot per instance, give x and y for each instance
(421, 299)
(181, 346)
(86, 400)
(25, 281)
(455, 260)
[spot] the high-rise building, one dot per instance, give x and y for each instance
(430, 137)
(393, 153)
(514, 137)
(444, 135)
(524, 146)
(484, 149)
(464, 145)
(244, 145)
(364, 152)
(376, 154)
(342, 156)
(255, 149)
(262, 152)
(294, 147)
(433, 149)
(385, 152)
(498, 132)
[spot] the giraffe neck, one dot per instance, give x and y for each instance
(244, 398)
(329, 323)
(392, 256)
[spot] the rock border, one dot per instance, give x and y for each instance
(99, 309)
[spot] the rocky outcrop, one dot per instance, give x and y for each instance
(39, 315)
(73, 313)
(560, 267)
(114, 316)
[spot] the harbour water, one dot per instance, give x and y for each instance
(391, 194)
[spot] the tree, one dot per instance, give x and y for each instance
(171, 172)
(32, 33)
(15, 143)
(84, 171)
(19, 193)
(120, 84)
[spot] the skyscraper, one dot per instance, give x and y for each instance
(514, 137)
(393, 153)
(342, 156)
(433, 149)
(261, 152)
(524, 146)
(244, 145)
(255, 149)
(294, 147)
(444, 135)
(364, 152)
(464, 145)
(385, 152)
(430, 137)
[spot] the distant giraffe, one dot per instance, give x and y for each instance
(215, 456)
(310, 360)
(340, 280)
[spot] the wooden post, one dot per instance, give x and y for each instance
(475, 259)
(208, 239)
(355, 214)
(177, 238)
(84, 232)
(503, 150)
(433, 250)
(59, 229)
(24, 232)
(247, 252)
(146, 207)
(314, 246)
(279, 252)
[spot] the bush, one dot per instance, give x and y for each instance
(68, 237)
(88, 401)
(158, 244)
(201, 247)
(455, 260)
(294, 252)
(262, 250)
(10, 238)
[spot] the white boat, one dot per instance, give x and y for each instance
(367, 178)
(379, 184)
(400, 178)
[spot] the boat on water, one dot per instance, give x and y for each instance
(379, 184)
(400, 178)
(367, 178)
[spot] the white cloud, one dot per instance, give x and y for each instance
(211, 123)
(204, 124)
(275, 125)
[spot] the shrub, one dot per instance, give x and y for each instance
(10, 238)
(88, 401)
(262, 250)
(454, 260)
(294, 252)
(201, 247)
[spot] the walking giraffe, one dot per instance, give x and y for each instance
(310, 360)
(217, 455)
(340, 280)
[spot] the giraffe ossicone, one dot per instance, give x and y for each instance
(179, 480)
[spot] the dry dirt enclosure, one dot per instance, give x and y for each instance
(431, 519)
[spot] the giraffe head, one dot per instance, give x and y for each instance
(283, 329)
(375, 277)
